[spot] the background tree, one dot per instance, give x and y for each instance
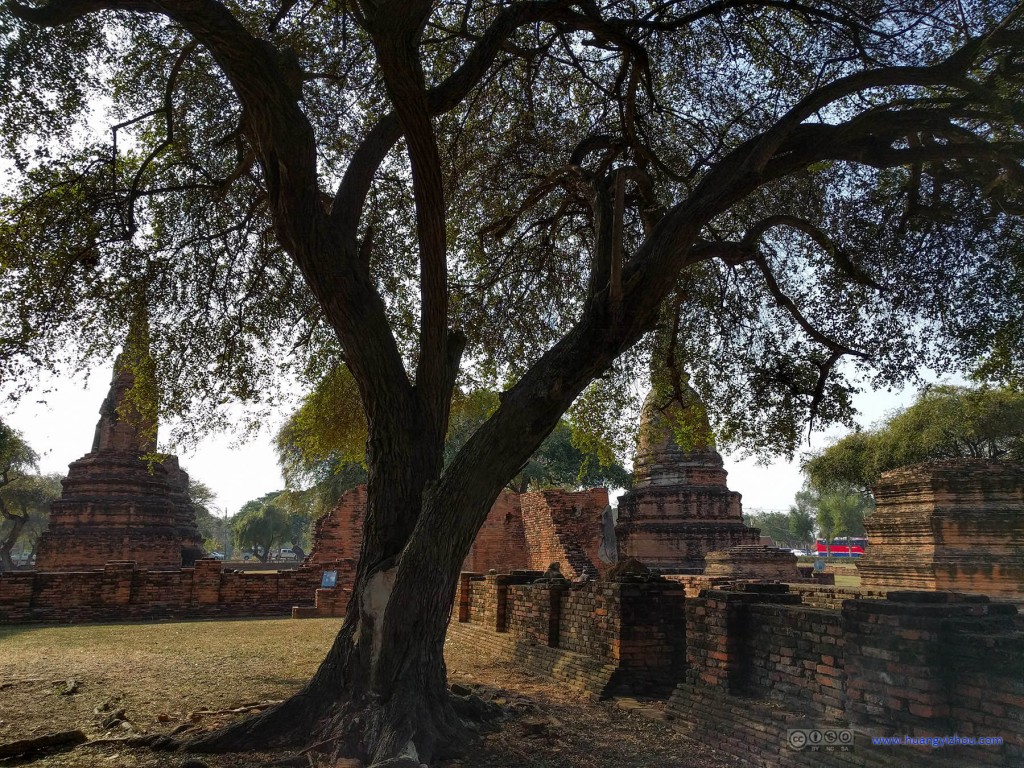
(211, 527)
(443, 194)
(774, 525)
(262, 524)
(16, 459)
(801, 518)
(840, 513)
(25, 505)
(944, 422)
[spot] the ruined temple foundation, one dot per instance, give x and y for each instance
(680, 508)
(522, 531)
(118, 506)
(953, 525)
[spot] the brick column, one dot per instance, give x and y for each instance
(465, 594)
(652, 625)
(206, 582)
(716, 624)
(116, 587)
(556, 593)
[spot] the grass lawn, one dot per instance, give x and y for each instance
(155, 676)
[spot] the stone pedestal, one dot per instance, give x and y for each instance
(680, 507)
(953, 525)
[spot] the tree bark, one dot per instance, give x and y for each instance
(381, 692)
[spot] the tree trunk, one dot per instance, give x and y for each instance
(381, 692)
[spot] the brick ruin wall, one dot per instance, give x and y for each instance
(558, 523)
(501, 541)
(599, 636)
(564, 527)
(121, 591)
(522, 532)
(748, 662)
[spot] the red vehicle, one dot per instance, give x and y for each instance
(845, 547)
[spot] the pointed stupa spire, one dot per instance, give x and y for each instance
(128, 422)
(675, 435)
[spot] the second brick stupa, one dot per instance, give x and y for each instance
(680, 507)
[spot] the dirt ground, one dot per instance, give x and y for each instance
(116, 681)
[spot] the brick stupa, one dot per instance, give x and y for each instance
(117, 505)
(956, 524)
(680, 507)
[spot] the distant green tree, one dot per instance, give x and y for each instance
(16, 459)
(801, 517)
(774, 525)
(27, 503)
(944, 422)
(841, 513)
(211, 527)
(262, 524)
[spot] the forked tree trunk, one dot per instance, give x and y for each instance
(381, 692)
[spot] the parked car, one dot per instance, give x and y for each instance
(216, 555)
(287, 554)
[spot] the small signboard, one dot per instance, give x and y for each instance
(329, 580)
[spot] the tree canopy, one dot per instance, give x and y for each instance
(944, 422)
(842, 137)
(516, 195)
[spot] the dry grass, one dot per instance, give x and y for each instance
(160, 673)
(847, 580)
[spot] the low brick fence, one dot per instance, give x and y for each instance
(605, 637)
(747, 665)
(121, 591)
(761, 664)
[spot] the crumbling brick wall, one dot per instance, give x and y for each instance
(338, 535)
(564, 527)
(500, 543)
(522, 531)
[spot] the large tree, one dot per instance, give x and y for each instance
(439, 193)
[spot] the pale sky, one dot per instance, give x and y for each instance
(61, 430)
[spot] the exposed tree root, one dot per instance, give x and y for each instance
(417, 727)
